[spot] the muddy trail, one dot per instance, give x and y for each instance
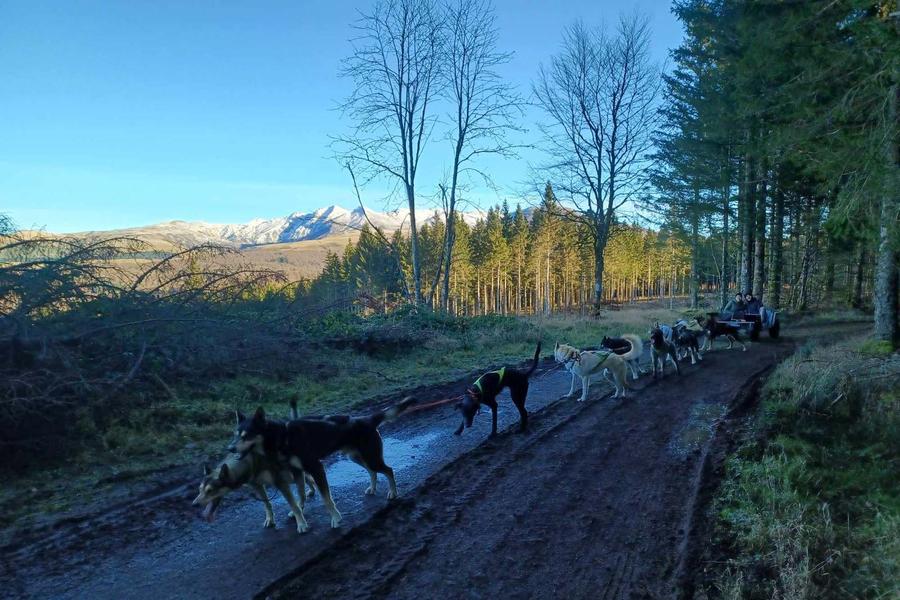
(594, 501)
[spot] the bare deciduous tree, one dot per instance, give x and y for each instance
(396, 71)
(600, 94)
(483, 107)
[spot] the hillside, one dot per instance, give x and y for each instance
(296, 244)
(319, 224)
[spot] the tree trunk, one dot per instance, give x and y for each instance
(858, 274)
(599, 246)
(695, 250)
(746, 223)
(809, 256)
(548, 300)
(776, 260)
(726, 209)
(760, 233)
(414, 239)
(828, 291)
(886, 266)
(449, 239)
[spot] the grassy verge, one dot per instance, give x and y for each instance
(810, 506)
(353, 361)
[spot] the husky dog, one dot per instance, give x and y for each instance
(686, 341)
(589, 363)
(715, 328)
(488, 386)
(629, 347)
(301, 444)
(660, 350)
(257, 471)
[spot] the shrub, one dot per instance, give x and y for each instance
(812, 510)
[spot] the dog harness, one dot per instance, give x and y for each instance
(603, 354)
(499, 373)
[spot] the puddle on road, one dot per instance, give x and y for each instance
(697, 429)
(398, 454)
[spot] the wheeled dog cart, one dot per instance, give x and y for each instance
(753, 324)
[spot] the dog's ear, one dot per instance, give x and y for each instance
(205, 470)
(260, 414)
(238, 417)
(557, 346)
(224, 473)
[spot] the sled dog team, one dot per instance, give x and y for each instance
(277, 453)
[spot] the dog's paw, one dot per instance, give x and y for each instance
(370, 491)
(335, 521)
(302, 527)
(392, 495)
(269, 523)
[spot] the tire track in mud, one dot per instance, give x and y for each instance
(409, 514)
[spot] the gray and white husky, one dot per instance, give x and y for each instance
(256, 471)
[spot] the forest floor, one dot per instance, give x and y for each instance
(597, 500)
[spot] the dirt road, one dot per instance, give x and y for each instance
(595, 501)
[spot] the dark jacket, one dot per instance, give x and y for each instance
(753, 307)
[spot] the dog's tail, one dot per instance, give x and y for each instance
(392, 412)
(534, 363)
(637, 347)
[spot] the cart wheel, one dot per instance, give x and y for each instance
(775, 330)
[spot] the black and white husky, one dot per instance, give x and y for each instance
(687, 344)
(629, 347)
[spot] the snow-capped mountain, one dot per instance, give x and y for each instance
(317, 225)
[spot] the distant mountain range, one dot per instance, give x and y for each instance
(296, 227)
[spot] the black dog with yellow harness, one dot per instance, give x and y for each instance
(488, 386)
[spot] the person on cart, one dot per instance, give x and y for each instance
(735, 308)
(752, 305)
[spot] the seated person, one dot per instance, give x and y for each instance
(735, 308)
(753, 305)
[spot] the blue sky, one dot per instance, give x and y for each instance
(129, 112)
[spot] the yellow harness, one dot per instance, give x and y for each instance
(499, 373)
